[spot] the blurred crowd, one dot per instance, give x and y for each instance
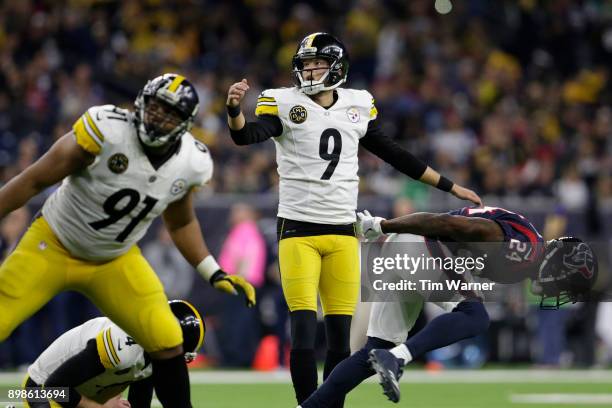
(509, 97)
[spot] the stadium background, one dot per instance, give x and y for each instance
(511, 98)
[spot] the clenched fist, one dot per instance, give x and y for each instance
(236, 93)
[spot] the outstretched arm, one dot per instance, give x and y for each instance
(455, 227)
(402, 160)
(184, 229)
(64, 158)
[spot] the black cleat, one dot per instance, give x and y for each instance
(389, 372)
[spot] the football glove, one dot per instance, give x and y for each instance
(368, 227)
(233, 284)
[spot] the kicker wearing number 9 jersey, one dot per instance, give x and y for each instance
(317, 152)
(120, 170)
(317, 128)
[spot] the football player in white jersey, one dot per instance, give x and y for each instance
(120, 170)
(317, 128)
(98, 360)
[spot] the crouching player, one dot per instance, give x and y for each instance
(562, 269)
(97, 361)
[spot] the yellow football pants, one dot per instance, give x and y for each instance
(327, 264)
(126, 289)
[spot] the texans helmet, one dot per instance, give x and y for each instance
(181, 98)
(567, 273)
(329, 48)
(192, 326)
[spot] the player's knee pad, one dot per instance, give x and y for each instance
(303, 329)
(479, 318)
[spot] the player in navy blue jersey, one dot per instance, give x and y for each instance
(562, 269)
(519, 257)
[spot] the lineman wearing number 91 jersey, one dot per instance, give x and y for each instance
(120, 170)
(317, 128)
(98, 361)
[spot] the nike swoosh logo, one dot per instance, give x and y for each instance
(119, 346)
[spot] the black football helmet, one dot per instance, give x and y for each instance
(567, 272)
(192, 325)
(181, 99)
(325, 46)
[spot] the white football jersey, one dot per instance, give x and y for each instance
(317, 152)
(123, 359)
(100, 212)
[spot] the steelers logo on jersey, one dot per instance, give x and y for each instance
(353, 114)
(298, 114)
(118, 163)
(178, 186)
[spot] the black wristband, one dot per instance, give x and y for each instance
(233, 111)
(445, 184)
(216, 276)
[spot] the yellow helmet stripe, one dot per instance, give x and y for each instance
(195, 312)
(175, 84)
(310, 39)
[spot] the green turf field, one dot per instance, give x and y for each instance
(455, 389)
(416, 396)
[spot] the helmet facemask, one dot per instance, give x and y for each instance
(331, 78)
(566, 274)
(163, 116)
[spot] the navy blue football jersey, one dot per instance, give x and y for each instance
(518, 255)
(514, 225)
